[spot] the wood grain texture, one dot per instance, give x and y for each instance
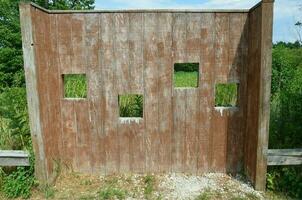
(134, 53)
(284, 157)
(33, 101)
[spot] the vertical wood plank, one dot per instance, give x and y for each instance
(206, 98)
(95, 88)
(110, 93)
(136, 79)
(121, 47)
(30, 68)
(265, 90)
(151, 92)
(83, 136)
(42, 47)
(69, 129)
(191, 127)
(222, 65)
(165, 70)
(219, 121)
(179, 129)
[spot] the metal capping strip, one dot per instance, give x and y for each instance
(145, 10)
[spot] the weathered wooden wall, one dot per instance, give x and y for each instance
(259, 86)
(134, 52)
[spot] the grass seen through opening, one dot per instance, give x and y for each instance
(186, 74)
(131, 105)
(75, 86)
(226, 94)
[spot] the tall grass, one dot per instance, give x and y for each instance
(226, 94)
(131, 105)
(75, 86)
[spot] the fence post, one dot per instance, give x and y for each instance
(32, 90)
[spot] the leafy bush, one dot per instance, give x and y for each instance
(18, 183)
(186, 67)
(14, 122)
(286, 116)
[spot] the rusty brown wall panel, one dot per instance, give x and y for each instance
(164, 53)
(83, 137)
(94, 92)
(151, 110)
(206, 94)
(136, 80)
(253, 92)
(190, 154)
(110, 92)
(41, 29)
(69, 131)
(121, 47)
(238, 74)
(179, 129)
(134, 53)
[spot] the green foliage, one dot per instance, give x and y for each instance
(75, 86)
(14, 122)
(185, 79)
(131, 105)
(186, 67)
(226, 94)
(18, 183)
(112, 192)
(11, 63)
(66, 4)
(149, 181)
(286, 115)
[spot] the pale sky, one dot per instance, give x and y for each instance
(286, 12)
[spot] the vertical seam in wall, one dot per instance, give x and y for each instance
(114, 18)
(229, 114)
(213, 90)
(103, 94)
(130, 86)
(158, 63)
(198, 100)
(61, 88)
(144, 87)
(171, 93)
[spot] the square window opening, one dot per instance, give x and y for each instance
(131, 105)
(75, 85)
(186, 75)
(226, 94)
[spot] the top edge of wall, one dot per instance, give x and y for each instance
(152, 10)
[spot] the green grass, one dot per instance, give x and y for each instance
(226, 94)
(149, 181)
(131, 105)
(75, 86)
(185, 79)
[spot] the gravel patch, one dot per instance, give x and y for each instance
(221, 186)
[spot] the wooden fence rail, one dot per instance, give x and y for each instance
(284, 157)
(14, 158)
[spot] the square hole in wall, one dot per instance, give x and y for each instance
(186, 75)
(131, 105)
(75, 85)
(226, 94)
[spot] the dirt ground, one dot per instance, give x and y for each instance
(215, 186)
